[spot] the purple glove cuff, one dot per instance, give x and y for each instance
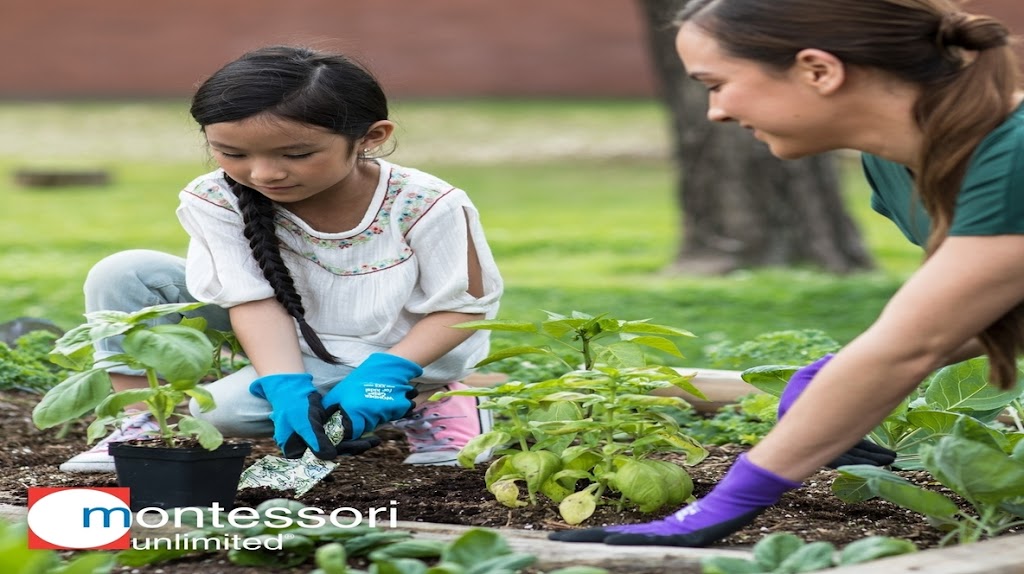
(752, 484)
(799, 381)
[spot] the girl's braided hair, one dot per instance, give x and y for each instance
(298, 84)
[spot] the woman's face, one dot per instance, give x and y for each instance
(781, 108)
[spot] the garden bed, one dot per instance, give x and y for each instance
(456, 496)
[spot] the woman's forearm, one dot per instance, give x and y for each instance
(434, 337)
(267, 334)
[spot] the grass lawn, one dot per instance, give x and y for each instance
(586, 231)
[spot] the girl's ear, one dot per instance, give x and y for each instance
(820, 70)
(375, 137)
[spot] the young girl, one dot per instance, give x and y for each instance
(929, 94)
(340, 273)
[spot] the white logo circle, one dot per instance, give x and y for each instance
(79, 518)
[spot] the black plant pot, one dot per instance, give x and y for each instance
(177, 477)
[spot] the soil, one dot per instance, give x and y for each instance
(451, 495)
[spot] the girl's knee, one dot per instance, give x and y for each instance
(129, 280)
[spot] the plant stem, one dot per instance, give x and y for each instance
(158, 413)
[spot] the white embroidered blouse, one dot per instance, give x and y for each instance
(362, 289)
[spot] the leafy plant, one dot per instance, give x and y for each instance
(598, 425)
(784, 553)
(25, 367)
(17, 558)
(952, 392)
(745, 422)
(985, 469)
(793, 347)
(174, 357)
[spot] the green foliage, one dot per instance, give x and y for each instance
(792, 347)
(784, 553)
(17, 558)
(598, 425)
(745, 422)
(25, 365)
(174, 357)
(986, 469)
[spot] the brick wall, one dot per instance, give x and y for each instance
(418, 48)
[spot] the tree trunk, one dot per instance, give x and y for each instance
(741, 206)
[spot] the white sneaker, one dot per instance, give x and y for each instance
(97, 459)
(437, 430)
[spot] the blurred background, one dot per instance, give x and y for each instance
(555, 116)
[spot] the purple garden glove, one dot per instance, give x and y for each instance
(744, 492)
(377, 391)
(865, 451)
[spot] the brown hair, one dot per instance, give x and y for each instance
(955, 57)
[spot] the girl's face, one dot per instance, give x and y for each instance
(284, 160)
(783, 109)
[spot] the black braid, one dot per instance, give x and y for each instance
(258, 214)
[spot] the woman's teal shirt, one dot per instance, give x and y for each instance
(991, 199)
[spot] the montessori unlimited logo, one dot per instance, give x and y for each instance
(79, 518)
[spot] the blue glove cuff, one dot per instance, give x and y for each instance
(270, 386)
(403, 366)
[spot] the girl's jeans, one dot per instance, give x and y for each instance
(130, 280)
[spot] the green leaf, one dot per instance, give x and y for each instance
(536, 467)
(506, 563)
(178, 354)
(641, 483)
(499, 325)
(577, 507)
(475, 546)
(332, 558)
(809, 558)
(72, 398)
(647, 328)
(975, 471)
(506, 492)
(514, 352)
(873, 548)
(208, 436)
(882, 483)
(480, 444)
(729, 565)
(964, 387)
(772, 550)
(156, 311)
(409, 549)
(771, 379)
(409, 566)
(579, 570)
(659, 343)
(203, 397)
(623, 354)
(114, 404)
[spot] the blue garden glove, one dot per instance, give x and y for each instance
(297, 412)
(744, 493)
(375, 392)
(865, 451)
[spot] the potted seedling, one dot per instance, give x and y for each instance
(188, 464)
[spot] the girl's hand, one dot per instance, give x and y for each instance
(297, 412)
(376, 392)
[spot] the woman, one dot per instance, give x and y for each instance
(929, 94)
